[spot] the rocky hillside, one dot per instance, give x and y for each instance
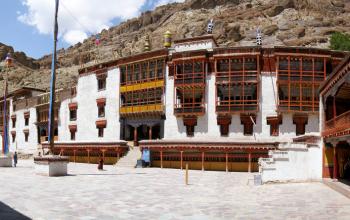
(283, 22)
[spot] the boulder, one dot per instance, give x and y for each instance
(338, 3)
(233, 33)
(275, 10)
(269, 30)
(286, 3)
(300, 32)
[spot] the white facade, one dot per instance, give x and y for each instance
(87, 113)
(293, 162)
(207, 124)
(20, 144)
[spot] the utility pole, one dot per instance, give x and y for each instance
(52, 84)
(5, 116)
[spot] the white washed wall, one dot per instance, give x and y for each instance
(207, 124)
(87, 113)
(20, 144)
(64, 120)
(302, 163)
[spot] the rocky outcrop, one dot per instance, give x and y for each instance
(283, 22)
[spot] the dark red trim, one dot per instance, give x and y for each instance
(101, 123)
(73, 106)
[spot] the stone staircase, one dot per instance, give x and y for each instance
(130, 159)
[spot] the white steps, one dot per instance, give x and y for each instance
(130, 159)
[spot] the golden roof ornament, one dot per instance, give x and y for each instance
(147, 46)
(167, 39)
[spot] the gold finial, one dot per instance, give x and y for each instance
(147, 46)
(167, 39)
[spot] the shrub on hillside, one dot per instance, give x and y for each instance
(340, 41)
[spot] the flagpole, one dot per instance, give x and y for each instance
(51, 138)
(4, 131)
(5, 148)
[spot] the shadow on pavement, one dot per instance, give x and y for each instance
(8, 213)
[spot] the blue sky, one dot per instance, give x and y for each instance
(27, 24)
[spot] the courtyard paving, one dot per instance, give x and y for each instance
(152, 193)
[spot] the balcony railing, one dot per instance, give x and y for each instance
(141, 109)
(336, 125)
(237, 106)
(189, 109)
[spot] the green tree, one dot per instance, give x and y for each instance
(340, 41)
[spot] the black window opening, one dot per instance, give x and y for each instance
(101, 84)
(100, 131)
(73, 115)
(101, 111)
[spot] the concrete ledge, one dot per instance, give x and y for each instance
(51, 165)
(338, 186)
(5, 161)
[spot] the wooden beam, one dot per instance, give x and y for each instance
(202, 160)
(249, 162)
(150, 132)
(88, 151)
(335, 163)
(135, 136)
(181, 159)
(161, 159)
(226, 162)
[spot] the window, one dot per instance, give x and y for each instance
(190, 130)
(26, 121)
(224, 123)
(248, 129)
(13, 122)
(248, 121)
(73, 114)
(13, 138)
(224, 128)
(101, 83)
(100, 131)
(190, 123)
(72, 135)
(300, 122)
(26, 135)
(274, 122)
(101, 111)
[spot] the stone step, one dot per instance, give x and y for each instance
(130, 159)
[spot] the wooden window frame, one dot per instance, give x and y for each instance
(300, 122)
(274, 122)
(248, 121)
(302, 72)
(190, 123)
(236, 73)
(101, 82)
(224, 123)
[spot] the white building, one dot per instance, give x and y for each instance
(215, 108)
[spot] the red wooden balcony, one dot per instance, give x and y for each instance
(196, 108)
(338, 126)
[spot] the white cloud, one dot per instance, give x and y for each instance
(78, 18)
(164, 2)
(74, 36)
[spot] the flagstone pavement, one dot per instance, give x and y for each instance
(153, 193)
